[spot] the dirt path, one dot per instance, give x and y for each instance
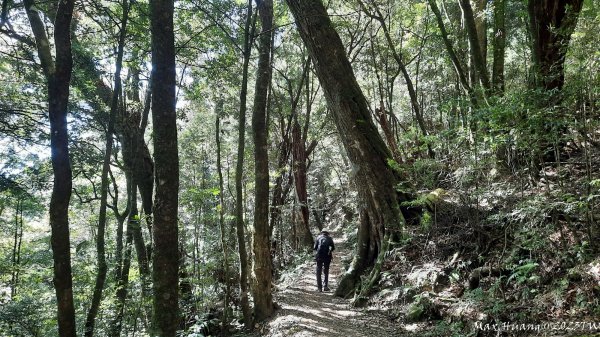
(305, 312)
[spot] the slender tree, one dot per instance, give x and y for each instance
(458, 66)
(100, 242)
(224, 248)
(263, 300)
(166, 245)
(58, 71)
(499, 44)
(239, 171)
(476, 44)
(412, 92)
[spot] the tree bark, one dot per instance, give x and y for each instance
(481, 26)
(499, 46)
(16, 251)
(239, 171)
(100, 242)
(551, 24)
(120, 217)
(299, 171)
(477, 53)
(218, 111)
(263, 299)
(277, 200)
(58, 77)
(123, 281)
(368, 153)
(165, 257)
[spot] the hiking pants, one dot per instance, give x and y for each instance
(323, 262)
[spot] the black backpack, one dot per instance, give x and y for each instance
(323, 246)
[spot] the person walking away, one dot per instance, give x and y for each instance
(324, 246)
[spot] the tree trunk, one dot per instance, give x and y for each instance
(551, 24)
(165, 257)
(58, 77)
(16, 251)
(278, 197)
(100, 244)
(123, 281)
(481, 26)
(218, 111)
(499, 47)
(477, 52)
(263, 300)
(299, 171)
(121, 217)
(368, 153)
(412, 93)
(129, 127)
(458, 67)
(239, 171)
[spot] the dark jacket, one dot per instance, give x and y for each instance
(324, 246)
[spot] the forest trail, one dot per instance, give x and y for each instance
(305, 312)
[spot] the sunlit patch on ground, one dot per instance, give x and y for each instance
(306, 313)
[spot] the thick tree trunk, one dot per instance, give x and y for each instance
(499, 42)
(100, 244)
(363, 258)
(239, 171)
(165, 257)
(551, 24)
(58, 77)
(481, 26)
(368, 153)
(263, 300)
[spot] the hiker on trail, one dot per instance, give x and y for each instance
(324, 247)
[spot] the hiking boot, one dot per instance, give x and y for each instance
(326, 288)
(320, 290)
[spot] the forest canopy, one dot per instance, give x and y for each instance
(166, 166)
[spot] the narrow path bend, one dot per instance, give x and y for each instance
(305, 312)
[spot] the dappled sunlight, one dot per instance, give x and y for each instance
(306, 312)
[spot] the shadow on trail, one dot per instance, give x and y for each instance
(306, 312)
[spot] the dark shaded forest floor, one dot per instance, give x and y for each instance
(306, 312)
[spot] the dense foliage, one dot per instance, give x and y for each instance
(487, 110)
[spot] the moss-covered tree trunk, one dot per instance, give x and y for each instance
(165, 257)
(367, 151)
